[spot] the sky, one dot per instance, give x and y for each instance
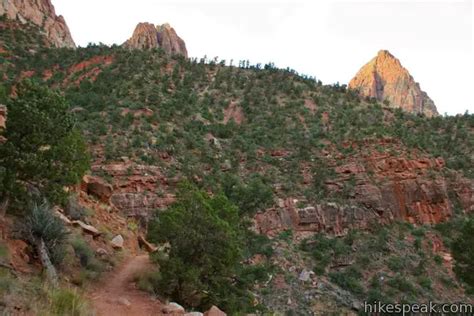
(330, 40)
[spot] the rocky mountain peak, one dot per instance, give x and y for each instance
(384, 53)
(42, 14)
(164, 26)
(384, 78)
(147, 36)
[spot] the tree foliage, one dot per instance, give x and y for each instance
(463, 253)
(250, 197)
(44, 151)
(202, 266)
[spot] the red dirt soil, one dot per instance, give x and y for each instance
(235, 112)
(117, 287)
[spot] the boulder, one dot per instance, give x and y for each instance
(97, 187)
(173, 308)
(214, 311)
(117, 242)
(88, 229)
(123, 301)
(101, 252)
(305, 275)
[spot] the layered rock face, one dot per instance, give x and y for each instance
(147, 36)
(133, 189)
(42, 14)
(384, 78)
(386, 187)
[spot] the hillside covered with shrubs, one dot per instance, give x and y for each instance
(232, 144)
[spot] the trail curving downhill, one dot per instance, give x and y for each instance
(117, 295)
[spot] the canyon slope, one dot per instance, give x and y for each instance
(147, 36)
(361, 201)
(42, 14)
(385, 79)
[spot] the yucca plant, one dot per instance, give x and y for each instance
(47, 233)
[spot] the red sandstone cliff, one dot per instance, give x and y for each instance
(147, 36)
(42, 14)
(384, 78)
(388, 185)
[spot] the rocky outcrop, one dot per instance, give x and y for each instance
(42, 14)
(385, 79)
(464, 193)
(330, 218)
(135, 188)
(97, 187)
(148, 36)
(380, 187)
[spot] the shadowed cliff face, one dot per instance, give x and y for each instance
(384, 78)
(42, 14)
(147, 36)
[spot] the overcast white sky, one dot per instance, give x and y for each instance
(327, 39)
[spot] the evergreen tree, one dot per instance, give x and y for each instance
(44, 152)
(206, 241)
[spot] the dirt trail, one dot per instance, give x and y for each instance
(116, 294)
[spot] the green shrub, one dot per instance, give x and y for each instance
(202, 266)
(250, 197)
(402, 284)
(147, 281)
(381, 240)
(396, 263)
(257, 244)
(348, 279)
(74, 210)
(375, 295)
(321, 251)
(6, 282)
(86, 255)
(43, 148)
(418, 232)
(286, 235)
(438, 259)
(67, 302)
(463, 253)
(3, 250)
(425, 282)
(43, 224)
